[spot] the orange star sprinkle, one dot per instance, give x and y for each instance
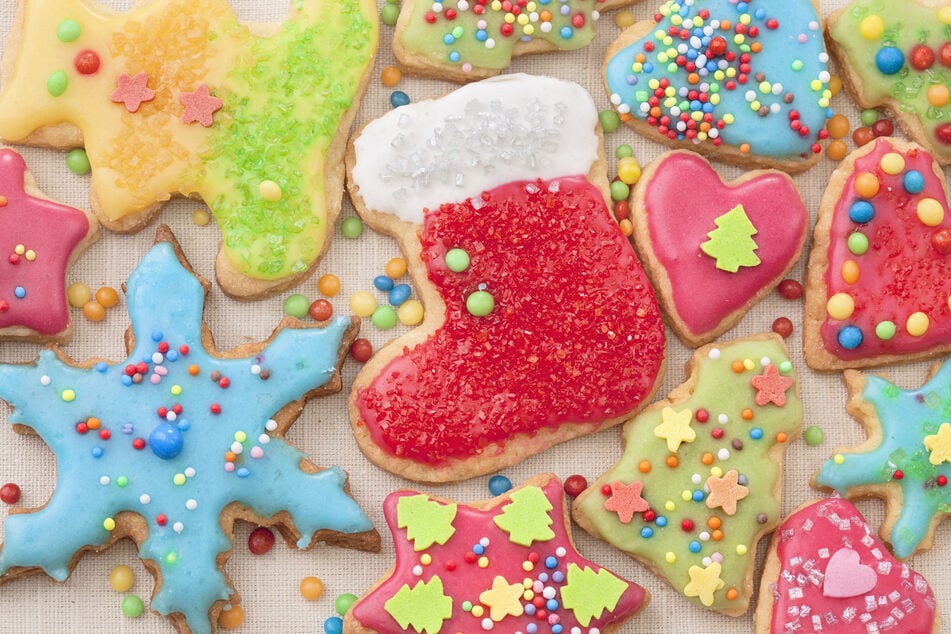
(725, 492)
(771, 386)
(626, 500)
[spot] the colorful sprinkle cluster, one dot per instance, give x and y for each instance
(698, 482)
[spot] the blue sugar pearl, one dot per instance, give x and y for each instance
(913, 181)
(531, 628)
(558, 576)
(20, 292)
(648, 67)
(756, 433)
(172, 355)
(454, 56)
(478, 549)
(184, 424)
(557, 628)
(543, 577)
(551, 562)
(889, 60)
(482, 35)
(850, 337)
(742, 7)
(566, 32)
(694, 546)
(499, 484)
(383, 283)
(530, 610)
(157, 336)
(166, 441)
(243, 472)
(759, 14)
(661, 521)
(448, 39)
(126, 380)
(400, 294)
(861, 212)
(551, 605)
(398, 98)
(333, 625)
(101, 367)
(96, 452)
(698, 496)
(647, 532)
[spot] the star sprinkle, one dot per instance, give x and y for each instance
(676, 428)
(704, 582)
(626, 500)
(482, 578)
(771, 386)
(905, 426)
(176, 434)
(132, 92)
(200, 106)
(725, 492)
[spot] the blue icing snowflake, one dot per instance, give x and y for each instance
(175, 435)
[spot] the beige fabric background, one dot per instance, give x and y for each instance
(268, 584)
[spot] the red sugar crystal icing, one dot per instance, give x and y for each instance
(575, 335)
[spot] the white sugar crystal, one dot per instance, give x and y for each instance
(848, 614)
(824, 553)
(795, 562)
(807, 525)
(894, 596)
(795, 593)
(884, 567)
(921, 586)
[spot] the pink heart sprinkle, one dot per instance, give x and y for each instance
(846, 577)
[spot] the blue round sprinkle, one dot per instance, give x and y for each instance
(647, 532)
(478, 549)
(126, 380)
(861, 212)
(172, 355)
(101, 367)
(566, 32)
(756, 433)
(557, 628)
(454, 56)
(400, 294)
(558, 576)
(157, 336)
(543, 577)
(661, 521)
(913, 181)
(694, 546)
(499, 484)
(551, 562)
(333, 625)
(759, 14)
(531, 628)
(648, 67)
(383, 283)
(448, 39)
(850, 337)
(166, 441)
(184, 424)
(243, 472)
(889, 60)
(399, 98)
(551, 605)
(698, 496)
(482, 35)
(530, 610)
(96, 452)
(742, 7)
(20, 292)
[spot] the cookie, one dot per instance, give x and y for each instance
(176, 97)
(463, 41)
(898, 56)
(174, 444)
(879, 277)
(540, 323)
(745, 83)
(826, 571)
(713, 250)
(504, 565)
(906, 459)
(700, 480)
(40, 239)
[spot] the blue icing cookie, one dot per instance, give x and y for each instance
(744, 80)
(175, 434)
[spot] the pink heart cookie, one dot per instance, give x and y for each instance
(713, 248)
(827, 571)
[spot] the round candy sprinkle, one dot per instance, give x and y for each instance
(107, 296)
(850, 272)
(399, 294)
(858, 243)
(883, 127)
(620, 190)
(938, 95)
(351, 227)
(334, 625)
(866, 185)
(457, 260)
(814, 436)
(320, 310)
(132, 606)
(480, 303)
(121, 578)
(343, 603)
(941, 241)
(201, 217)
(68, 30)
(390, 76)
(77, 161)
(838, 126)
(57, 83)
(389, 14)
(395, 268)
(296, 305)
(166, 441)
(629, 171)
(783, 327)
(384, 317)
(410, 312)
(362, 303)
(861, 212)
(78, 294)
(328, 284)
(231, 618)
(930, 212)
(9, 493)
(840, 306)
(836, 150)
(872, 27)
(921, 57)
(270, 191)
(790, 289)
(623, 151)
(913, 182)
(361, 350)
(399, 98)
(311, 588)
(862, 136)
(889, 60)
(885, 330)
(869, 116)
(892, 163)
(499, 484)
(917, 324)
(94, 311)
(850, 337)
(575, 484)
(261, 540)
(383, 283)
(609, 120)
(624, 19)
(87, 62)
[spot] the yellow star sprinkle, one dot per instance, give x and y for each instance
(675, 428)
(939, 445)
(503, 599)
(704, 582)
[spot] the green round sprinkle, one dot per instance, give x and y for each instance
(351, 227)
(390, 14)
(467, 606)
(609, 120)
(457, 260)
(122, 481)
(480, 303)
(384, 317)
(858, 243)
(57, 83)
(814, 436)
(785, 367)
(296, 305)
(68, 30)
(343, 603)
(458, 32)
(885, 330)
(624, 151)
(869, 116)
(77, 161)
(620, 191)
(132, 606)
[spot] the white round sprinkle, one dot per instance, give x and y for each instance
(191, 504)
(417, 570)
(190, 472)
(695, 478)
(561, 551)
(484, 542)
(264, 439)
(145, 498)
(723, 454)
(704, 536)
(723, 419)
(45, 380)
(714, 353)
(157, 357)
(178, 527)
(255, 369)
(271, 425)
(104, 480)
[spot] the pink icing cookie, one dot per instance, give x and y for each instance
(507, 565)
(39, 239)
(826, 571)
(879, 278)
(714, 249)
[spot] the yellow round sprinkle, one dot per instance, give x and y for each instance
(893, 163)
(240, 436)
(201, 217)
(109, 524)
(78, 294)
(270, 191)
(176, 390)
(362, 303)
(483, 562)
(19, 249)
(426, 559)
(477, 611)
(944, 15)
(670, 557)
(528, 29)
(629, 170)
(528, 595)
(686, 496)
(717, 471)
(121, 578)
(838, 458)
(872, 27)
(68, 395)
(930, 212)
(623, 19)
(749, 364)
(917, 324)
(30, 255)
(850, 272)
(410, 312)
(395, 268)
(740, 549)
(840, 306)
(179, 479)
(669, 504)
(528, 566)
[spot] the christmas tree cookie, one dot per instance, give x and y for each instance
(906, 459)
(700, 480)
(172, 445)
(507, 565)
(177, 97)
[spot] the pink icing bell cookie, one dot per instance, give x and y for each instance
(879, 278)
(499, 565)
(826, 571)
(713, 249)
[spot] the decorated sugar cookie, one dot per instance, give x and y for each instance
(713, 250)
(826, 571)
(174, 444)
(39, 239)
(906, 459)
(540, 323)
(898, 55)
(879, 279)
(744, 82)
(507, 565)
(700, 481)
(463, 40)
(177, 97)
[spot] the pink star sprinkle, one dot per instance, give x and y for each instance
(132, 91)
(626, 500)
(199, 106)
(771, 386)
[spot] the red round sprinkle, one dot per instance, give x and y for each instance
(883, 127)
(606, 489)
(790, 289)
(863, 135)
(538, 601)
(14, 258)
(10, 493)
(183, 349)
(944, 54)
(541, 615)
(321, 310)
(941, 241)
(361, 350)
(921, 57)
(622, 209)
(215, 408)
(161, 519)
(86, 62)
(717, 433)
(942, 480)
(687, 525)
(533, 557)
(575, 484)
(177, 408)
(450, 14)
(577, 20)
(470, 557)
(702, 415)
(224, 382)
(130, 370)
(162, 412)
(260, 540)
(899, 474)
(450, 565)
(163, 347)
(105, 434)
(138, 444)
(142, 367)
(649, 515)
(943, 133)
(82, 428)
(783, 327)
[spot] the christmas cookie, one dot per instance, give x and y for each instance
(700, 481)
(177, 97)
(826, 571)
(745, 82)
(540, 323)
(466, 40)
(507, 565)
(878, 284)
(174, 444)
(714, 249)
(906, 459)
(39, 238)
(898, 55)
